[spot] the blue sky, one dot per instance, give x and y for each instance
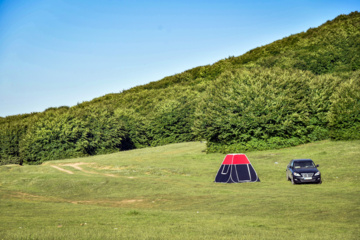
(63, 52)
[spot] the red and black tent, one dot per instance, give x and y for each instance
(236, 168)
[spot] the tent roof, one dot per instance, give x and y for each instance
(236, 158)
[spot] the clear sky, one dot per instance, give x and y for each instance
(63, 52)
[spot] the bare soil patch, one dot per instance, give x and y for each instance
(77, 166)
(61, 169)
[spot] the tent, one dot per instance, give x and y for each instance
(236, 168)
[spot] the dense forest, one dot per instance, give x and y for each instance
(302, 88)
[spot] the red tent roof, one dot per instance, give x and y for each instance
(236, 159)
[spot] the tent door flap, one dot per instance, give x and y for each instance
(225, 169)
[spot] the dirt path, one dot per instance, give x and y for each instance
(61, 169)
(77, 167)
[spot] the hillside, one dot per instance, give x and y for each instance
(299, 89)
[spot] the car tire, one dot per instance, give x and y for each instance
(292, 181)
(320, 182)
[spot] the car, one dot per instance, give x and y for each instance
(303, 171)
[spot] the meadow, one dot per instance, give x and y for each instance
(168, 192)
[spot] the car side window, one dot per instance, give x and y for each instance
(292, 164)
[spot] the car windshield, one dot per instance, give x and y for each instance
(304, 164)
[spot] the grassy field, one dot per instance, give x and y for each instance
(169, 193)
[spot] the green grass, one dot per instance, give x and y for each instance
(168, 193)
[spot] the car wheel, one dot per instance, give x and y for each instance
(292, 181)
(320, 182)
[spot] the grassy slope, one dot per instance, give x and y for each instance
(168, 193)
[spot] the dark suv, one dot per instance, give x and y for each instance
(303, 171)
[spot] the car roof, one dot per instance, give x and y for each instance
(299, 160)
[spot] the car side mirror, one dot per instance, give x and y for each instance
(317, 165)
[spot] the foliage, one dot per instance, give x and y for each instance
(56, 136)
(344, 114)
(172, 121)
(256, 109)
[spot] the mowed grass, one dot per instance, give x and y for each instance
(169, 192)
